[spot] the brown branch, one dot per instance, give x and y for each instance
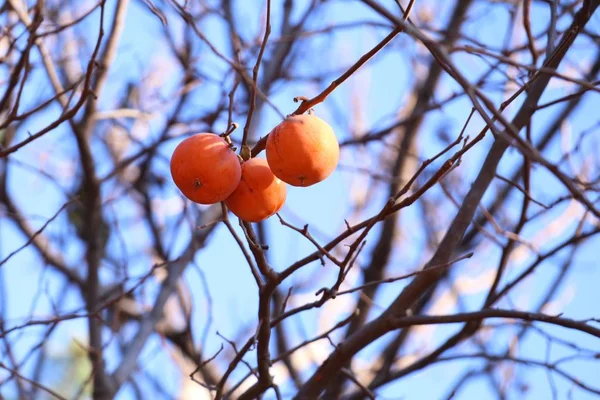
(258, 253)
(305, 105)
(68, 114)
(523, 191)
(527, 26)
(367, 392)
(581, 326)
(238, 357)
(35, 234)
(470, 328)
(188, 18)
(282, 339)
(263, 334)
(406, 276)
(203, 364)
(552, 26)
(22, 65)
(287, 353)
(423, 282)
(253, 87)
(39, 241)
(240, 244)
(41, 106)
(175, 269)
(304, 232)
(546, 139)
(104, 62)
(31, 382)
(532, 69)
(423, 92)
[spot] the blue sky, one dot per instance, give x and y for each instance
(380, 89)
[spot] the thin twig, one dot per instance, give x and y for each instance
(31, 382)
(255, 78)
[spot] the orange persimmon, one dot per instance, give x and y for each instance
(302, 150)
(259, 195)
(205, 168)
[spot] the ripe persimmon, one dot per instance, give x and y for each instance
(302, 150)
(205, 168)
(259, 195)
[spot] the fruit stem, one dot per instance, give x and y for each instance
(245, 152)
(300, 98)
(229, 131)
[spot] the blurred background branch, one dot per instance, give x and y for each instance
(452, 254)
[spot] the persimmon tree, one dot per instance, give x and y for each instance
(448, 250)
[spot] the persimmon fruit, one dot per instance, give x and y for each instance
(259, 195)
(302, 150)
(205, 168)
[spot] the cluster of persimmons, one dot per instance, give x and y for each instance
(301, 151)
